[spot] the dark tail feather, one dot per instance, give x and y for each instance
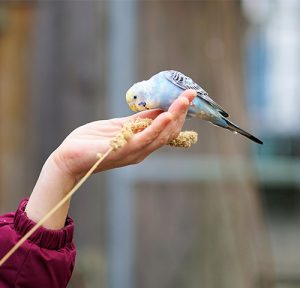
(234, 128)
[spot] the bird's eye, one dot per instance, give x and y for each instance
(134, 97)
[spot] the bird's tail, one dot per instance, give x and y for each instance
(234, 128)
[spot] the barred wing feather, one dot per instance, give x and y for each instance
(186, 82)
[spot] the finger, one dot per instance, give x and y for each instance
(179, 110)
(147, 114)
(149, 135)
(184, 99)
(179, 107)
(170, 132)
(190, 94)
(152, 114)
(140, 140)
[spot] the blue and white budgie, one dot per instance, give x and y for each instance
(164, 87)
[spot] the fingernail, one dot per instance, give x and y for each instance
(184, 100)
(194, 92)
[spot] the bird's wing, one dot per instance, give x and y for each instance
(186, 82)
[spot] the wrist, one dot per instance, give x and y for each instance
(51, 187)
(54, 171)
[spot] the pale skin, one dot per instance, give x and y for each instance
(75, 156)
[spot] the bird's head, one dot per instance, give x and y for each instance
(136, 98)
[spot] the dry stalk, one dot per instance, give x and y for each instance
(185, 139)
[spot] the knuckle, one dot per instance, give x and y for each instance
(162, 141)
(174, 135)
(148, 140)
(156, 133)
(137, 160)
(62, 159)
(133, 159)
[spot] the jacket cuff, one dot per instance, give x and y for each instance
(44, 238)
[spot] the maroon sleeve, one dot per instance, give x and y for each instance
(45, 260)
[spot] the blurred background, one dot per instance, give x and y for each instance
(225, 213)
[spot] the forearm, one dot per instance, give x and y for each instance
(51, 186)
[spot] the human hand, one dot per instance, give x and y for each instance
(78, 152)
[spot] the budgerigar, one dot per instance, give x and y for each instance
(164, 87)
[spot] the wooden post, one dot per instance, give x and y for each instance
(14, 62)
